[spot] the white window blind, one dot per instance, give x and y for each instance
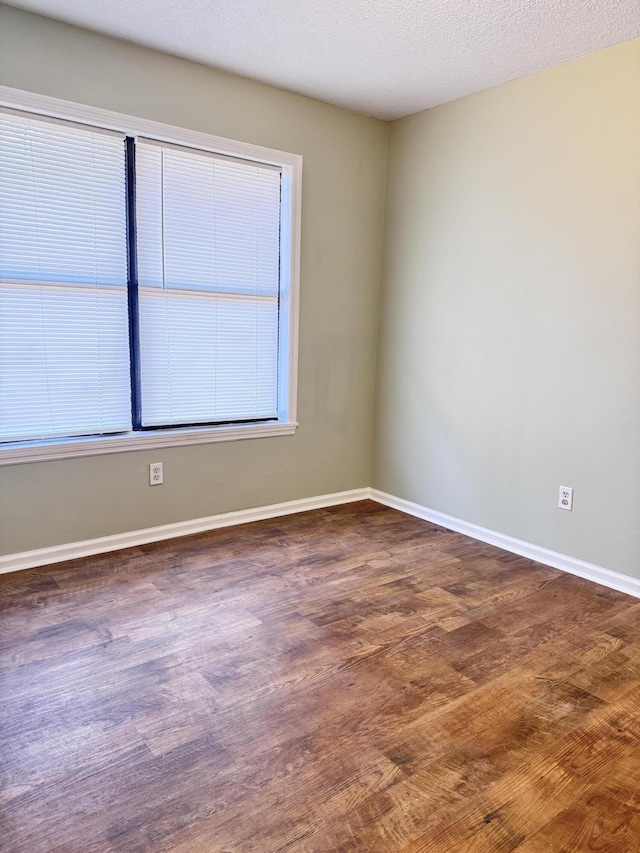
(64, 341)
(208, 248)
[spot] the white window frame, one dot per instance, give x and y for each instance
(291, 166)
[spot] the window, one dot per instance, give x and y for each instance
(208, 253)
(147, 286)
(64, 343)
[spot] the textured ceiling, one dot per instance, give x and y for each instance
(386, 58)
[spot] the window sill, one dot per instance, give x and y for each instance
(68, 448)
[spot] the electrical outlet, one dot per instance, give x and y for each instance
(565, 498)
(155, 474)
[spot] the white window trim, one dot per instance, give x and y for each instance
(291, 165)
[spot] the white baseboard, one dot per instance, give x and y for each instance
(59, 553)
(589, 571)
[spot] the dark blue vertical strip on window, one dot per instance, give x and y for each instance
(132, 274)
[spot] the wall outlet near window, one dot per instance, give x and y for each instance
(565, 498)
(155, 474)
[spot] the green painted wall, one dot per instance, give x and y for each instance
(508, 349)
(343, 205)
(509, 355)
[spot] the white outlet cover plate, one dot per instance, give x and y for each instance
(565, 498)
(155, 474)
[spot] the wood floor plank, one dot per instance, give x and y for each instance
(507, 813)
(593, 822)
(348, 679)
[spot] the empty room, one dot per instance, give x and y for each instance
(319, 420)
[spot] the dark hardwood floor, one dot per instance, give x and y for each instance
(349, 679)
